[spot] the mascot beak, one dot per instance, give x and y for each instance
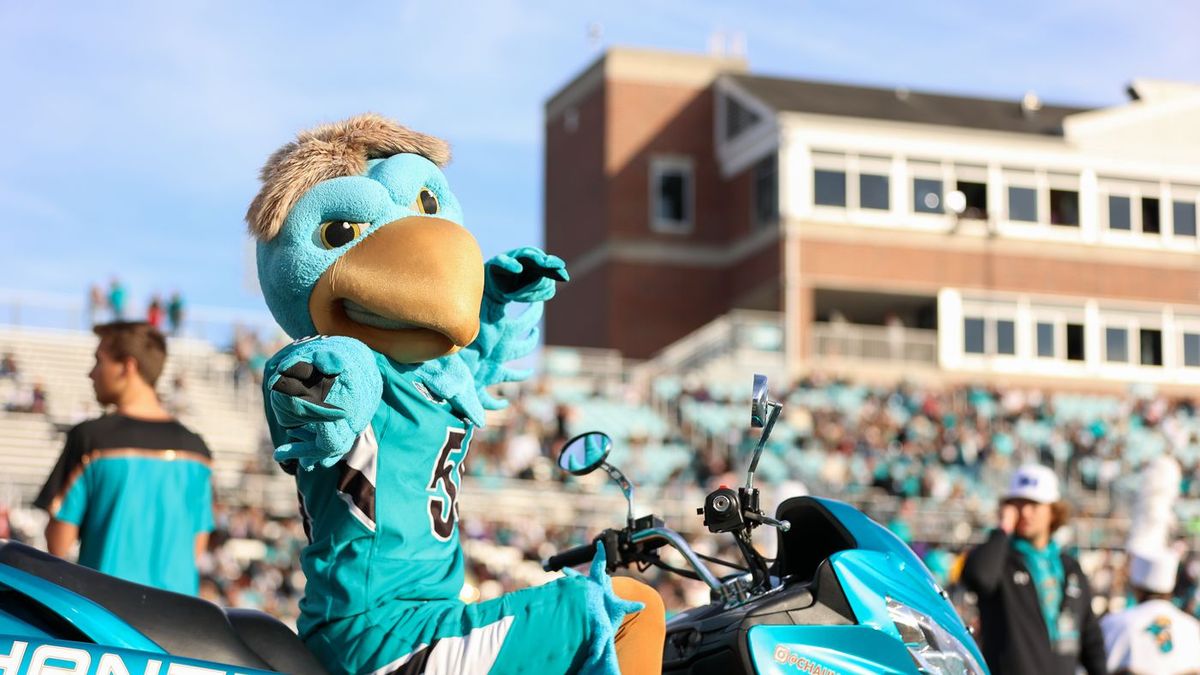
(410, 290)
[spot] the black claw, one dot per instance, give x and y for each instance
(304, 381)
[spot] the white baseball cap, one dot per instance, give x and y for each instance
(1034, 482)
(1153, 570)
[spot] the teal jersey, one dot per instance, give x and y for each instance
(139, 491)
(383, 521)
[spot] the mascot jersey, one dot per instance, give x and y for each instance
(383, 523)
(401, 327)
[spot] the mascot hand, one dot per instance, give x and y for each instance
(323, 392)
(525, 274)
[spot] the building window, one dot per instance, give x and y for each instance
(1022, 204)
(976, 194)
(1119, 213)
(1116, 345)
(1185, 219)
(927, 195)
(1075, 342)
(1191, 350)
(829, 187)
(1064, 207)
(1150, 346)
(1045, 340)
(1150, 221)
(671, 185)
(973, 342)
(1006, 337)
(766, 191)
(873, 192)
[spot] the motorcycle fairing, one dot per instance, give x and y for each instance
(25, 655)
(827, 650)
(92, 621)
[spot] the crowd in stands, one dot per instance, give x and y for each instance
(926, 448)
(112, 305)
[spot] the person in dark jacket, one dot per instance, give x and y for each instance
(1035, 606)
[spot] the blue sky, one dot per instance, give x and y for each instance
(135, 132)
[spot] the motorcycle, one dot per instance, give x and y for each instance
(843, 594)
(57, 618)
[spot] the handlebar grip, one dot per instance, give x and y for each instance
(571, 557)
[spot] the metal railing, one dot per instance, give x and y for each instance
(874, 343)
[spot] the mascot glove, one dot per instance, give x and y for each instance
(526, 274)
(607, 611)
(323, 391)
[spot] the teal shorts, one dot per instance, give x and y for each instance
(546, 629)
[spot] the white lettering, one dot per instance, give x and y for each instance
(79, 660)
(10, 663)
(152, 667)
(111, 664)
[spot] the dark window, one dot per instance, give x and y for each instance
(1064, 207)
(976, 194)
(1185, 219)
(873, 192)
(1150, 223)
(766, 191)
(1006, 337)
(1150, 345)
(1191, 349)
(830, 187)
(738, 117)
(1116, 344)
(1045, 339)
(973, 336)
(1119, 213)
(927, 195)
(672, 196)
(1074, 342)
(1022, 204)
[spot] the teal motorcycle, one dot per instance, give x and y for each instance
(843, 594)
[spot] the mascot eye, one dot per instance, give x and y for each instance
(337, 233)
(427, 202)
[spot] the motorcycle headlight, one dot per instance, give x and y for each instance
(932, 647)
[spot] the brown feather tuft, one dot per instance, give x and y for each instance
(329, 151)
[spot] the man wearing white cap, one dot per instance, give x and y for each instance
(1035, 606)
(1152, 636)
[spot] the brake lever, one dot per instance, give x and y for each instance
(781, 525)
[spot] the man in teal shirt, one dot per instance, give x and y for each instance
(133, 487)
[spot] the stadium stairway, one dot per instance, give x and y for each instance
(229, 419)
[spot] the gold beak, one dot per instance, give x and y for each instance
(411, 290)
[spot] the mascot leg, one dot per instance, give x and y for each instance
(641, 636)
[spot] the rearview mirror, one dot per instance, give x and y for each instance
(584, 453)
(758, 402)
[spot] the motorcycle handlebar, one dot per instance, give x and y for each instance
(571, 557)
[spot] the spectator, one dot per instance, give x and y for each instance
(155, 313)
(8, 366)
(38, 398)
(175, 313)
(95, 302)
(1153, 636)
(134, 487)
(1035, 605)
(116, 299)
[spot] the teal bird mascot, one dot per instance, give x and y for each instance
(399, 329)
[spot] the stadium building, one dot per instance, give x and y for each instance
(702, 209)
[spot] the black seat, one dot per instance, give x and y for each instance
(180, 624)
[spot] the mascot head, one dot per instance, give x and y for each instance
(359, 235)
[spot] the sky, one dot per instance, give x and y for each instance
(136, 129)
